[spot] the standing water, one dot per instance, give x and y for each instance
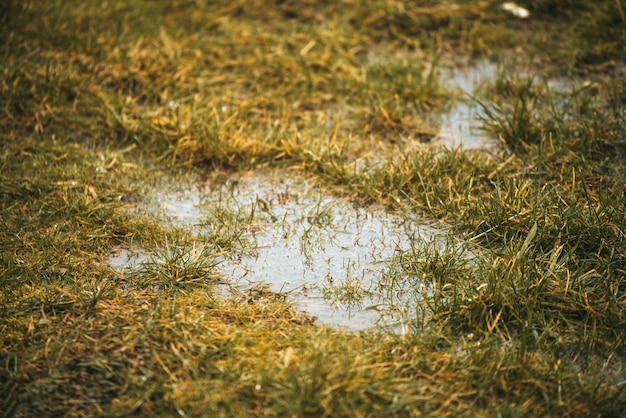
(327, 255)
(461, 125)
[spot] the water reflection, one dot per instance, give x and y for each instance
(460, 127)
(325, 253)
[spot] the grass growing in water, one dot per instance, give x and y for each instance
(97, 97)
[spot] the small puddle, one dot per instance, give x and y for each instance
(325, 254)
(460, 127)
(126, 258)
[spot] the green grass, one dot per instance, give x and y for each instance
(519, 313)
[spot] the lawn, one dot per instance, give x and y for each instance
(518, 308)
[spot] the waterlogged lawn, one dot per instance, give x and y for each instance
(299, 208)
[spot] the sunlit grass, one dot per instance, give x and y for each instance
(518, 312)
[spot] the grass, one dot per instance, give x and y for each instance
(520, 313)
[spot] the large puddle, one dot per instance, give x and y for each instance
(325, 254)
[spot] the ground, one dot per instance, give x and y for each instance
(100, 100)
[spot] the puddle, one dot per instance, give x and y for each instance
(125, 258)
(325, 254)
(460, 127)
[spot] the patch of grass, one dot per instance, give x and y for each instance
(519, 313)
